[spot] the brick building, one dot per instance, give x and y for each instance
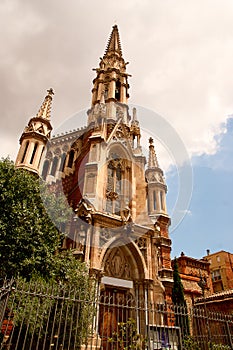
(221, 269)
(191, 272)
(219, 302)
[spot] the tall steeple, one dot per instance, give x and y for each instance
(156, 184)
(35, 137)
(112, 81)
(114, 44)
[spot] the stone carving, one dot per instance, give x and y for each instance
(116, 162)
(57, 152)
(119, 113)
(65, 148)
(99, 113)
(105, 235)
(156, 177)
(111, 195)
(127, 270)
(117, 266)
(142, 244)
(49, 155)
(84, 210)
(86, 217)
(126, 216)
(159, 258)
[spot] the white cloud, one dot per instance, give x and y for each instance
(180, 58)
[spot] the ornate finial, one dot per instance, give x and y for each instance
(50, 92)
(45, 109)
(151, 141)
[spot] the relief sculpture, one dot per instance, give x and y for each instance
(117, 266)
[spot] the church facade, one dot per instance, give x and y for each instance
(120, 224)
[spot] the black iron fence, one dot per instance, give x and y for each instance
(38, 316)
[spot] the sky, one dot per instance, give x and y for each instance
(181, 62)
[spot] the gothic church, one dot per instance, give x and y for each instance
(120, 222)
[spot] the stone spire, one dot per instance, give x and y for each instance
(114, 45)
(35, 137)
(45, 109)
(112, 81)
(157, 188)
(153, 161)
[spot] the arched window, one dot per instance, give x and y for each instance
(118, 91)
(63, 162)
(25, 151)
(34, 152)
(161, 201)
(71, 159)
(45, 169)
(118, 179)
(106, 92)
(54, 166)
(154, 200)
(110, 185)
(114, 187)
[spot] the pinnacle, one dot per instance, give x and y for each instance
(45, 109)
(114, 44)
(153, 161)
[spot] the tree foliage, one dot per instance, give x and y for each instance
(28, 237)
(179, 301)
(52, 289)
(178, 289)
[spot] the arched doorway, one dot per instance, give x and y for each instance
(123, 267)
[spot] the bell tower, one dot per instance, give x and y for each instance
(35, 136)
(111, 81)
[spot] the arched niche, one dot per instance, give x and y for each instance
(124, 262)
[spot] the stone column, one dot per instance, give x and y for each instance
(123, 98)
(112, 88)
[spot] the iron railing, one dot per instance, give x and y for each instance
(38, 316)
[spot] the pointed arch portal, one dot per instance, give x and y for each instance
(124, 273)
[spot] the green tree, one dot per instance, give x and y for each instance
(28, 237)
(181, 311)
(52, 290)
(47, 311)
(178, 289)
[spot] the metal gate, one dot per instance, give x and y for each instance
(38, 316)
